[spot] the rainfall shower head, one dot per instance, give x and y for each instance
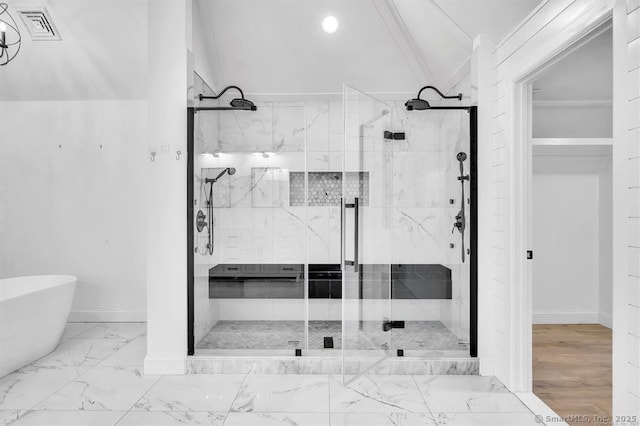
(242, 103)
(418, 104)
(236, 104)
(461, 156)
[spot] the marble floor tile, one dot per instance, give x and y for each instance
(101, 388)
(486, 419)
(382, 419)
(131, 355)
(81, 352)
(69, 418)
(199, 392)
(160, 418)
(8, 417)
(115, 330)
(462, 394)
(283, 394)
(73, 329)
(30, 385)
(370, 394)
(286, 419)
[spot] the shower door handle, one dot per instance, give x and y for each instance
(356, 210)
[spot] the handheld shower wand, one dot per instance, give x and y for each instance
(210, 233)
(461, 223)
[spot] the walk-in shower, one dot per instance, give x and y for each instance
(333, 236)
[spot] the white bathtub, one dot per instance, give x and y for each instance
(33, 313)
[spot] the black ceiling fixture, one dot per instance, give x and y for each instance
(236, 104)
(10, 39)
(420, 104)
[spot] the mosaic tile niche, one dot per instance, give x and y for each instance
(325, 188)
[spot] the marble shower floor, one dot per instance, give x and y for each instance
(95, 377)
(261, 335)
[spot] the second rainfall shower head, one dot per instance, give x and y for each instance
(417, 104)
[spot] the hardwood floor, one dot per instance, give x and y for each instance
(572, 369)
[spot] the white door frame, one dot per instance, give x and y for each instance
(521, 313)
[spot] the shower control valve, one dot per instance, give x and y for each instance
(459, 224)
(456, 225)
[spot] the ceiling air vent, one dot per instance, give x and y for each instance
(39, 24)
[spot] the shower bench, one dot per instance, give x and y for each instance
(286, 281)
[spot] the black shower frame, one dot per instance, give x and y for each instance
(473, 255)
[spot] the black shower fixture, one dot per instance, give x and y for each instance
(230, 170)
(236, 104)
(418, 104)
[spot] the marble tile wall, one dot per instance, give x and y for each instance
(257, 222)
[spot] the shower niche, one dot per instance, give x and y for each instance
(325, 188)
(331, 245)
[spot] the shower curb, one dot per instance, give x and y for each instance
(323, 365)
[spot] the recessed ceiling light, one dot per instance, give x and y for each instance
(330, 24)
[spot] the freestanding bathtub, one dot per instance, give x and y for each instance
(33, 313)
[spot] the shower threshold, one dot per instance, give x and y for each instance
(353, 365)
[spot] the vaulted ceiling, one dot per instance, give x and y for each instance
(278, 46)
(266, 46)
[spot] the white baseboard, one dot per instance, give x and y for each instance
(606, 319)
(106, 316)
(566, 317)
(539, 408)
(175, 366)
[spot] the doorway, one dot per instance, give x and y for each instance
(570, 222)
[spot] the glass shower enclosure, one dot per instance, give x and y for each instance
(335, 229)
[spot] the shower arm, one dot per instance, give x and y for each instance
(201, 96)
(442, 95)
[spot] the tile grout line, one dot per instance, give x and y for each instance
(433, 417)
(26, 411)
(89, 368)
(67, 383)
(226, 417)
(141, 396)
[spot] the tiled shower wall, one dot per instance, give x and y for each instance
(255, 221)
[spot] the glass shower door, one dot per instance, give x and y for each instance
(366, 221)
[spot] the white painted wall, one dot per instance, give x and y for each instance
(482, 94)
(572, 121)
(566, 237)
(166, 186)
(71, 179)
(544, 33)
(626, 301)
